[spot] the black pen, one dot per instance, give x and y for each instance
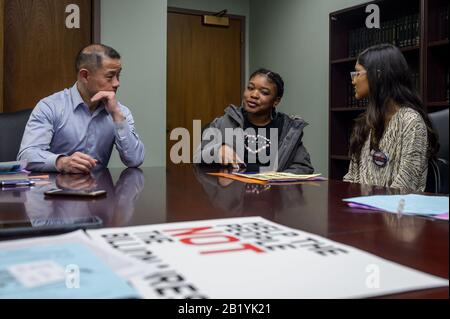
(16, 184)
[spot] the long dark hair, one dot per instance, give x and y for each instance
(390, 81)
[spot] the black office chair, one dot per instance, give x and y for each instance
(438, 170)
(440, 124)
(12, 126)
(437, 179)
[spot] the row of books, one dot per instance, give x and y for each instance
(416, 81)
(447, 84)
(402, 32)
(352, 102)
(443, 22)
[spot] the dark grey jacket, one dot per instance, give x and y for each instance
(292, 155)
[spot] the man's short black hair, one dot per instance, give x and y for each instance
(91, 57)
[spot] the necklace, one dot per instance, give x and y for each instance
(252, 142)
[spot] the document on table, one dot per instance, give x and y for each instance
(270, 178)
(13, 166)
(59, 271)
(48, 267)
(280, 177)
(122, 265)
(412, 204)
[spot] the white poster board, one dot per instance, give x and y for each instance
(254, 258)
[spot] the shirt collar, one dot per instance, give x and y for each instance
(77, 100)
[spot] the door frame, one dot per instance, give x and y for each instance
(231, 16)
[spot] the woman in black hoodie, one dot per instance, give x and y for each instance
(255, 135)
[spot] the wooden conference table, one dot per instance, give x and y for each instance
(185, 193)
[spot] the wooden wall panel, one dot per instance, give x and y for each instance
(39, 50)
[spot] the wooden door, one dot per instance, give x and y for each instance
(204, 70)
(39, 50)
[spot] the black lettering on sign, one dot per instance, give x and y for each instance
(319, 247)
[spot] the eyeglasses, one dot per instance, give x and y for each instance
(356, 74)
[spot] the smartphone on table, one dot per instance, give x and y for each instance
(47, 226)
(75, 193)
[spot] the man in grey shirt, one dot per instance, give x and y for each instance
(74, 130)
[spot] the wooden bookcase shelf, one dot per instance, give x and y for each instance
(348, 109)
(424, 44)
(345, 60)
(438, 43)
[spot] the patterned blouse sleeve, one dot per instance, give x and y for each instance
(352, 174)
(413, 168)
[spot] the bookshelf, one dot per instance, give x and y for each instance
(419, 28)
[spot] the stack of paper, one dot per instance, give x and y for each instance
(13, 174)
(431, 206)
(7, 167)
(270, 177)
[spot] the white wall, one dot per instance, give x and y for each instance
(138, 30)
(292, 38)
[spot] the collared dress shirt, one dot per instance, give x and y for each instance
(62, 124)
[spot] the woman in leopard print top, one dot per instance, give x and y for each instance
(393, 140)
